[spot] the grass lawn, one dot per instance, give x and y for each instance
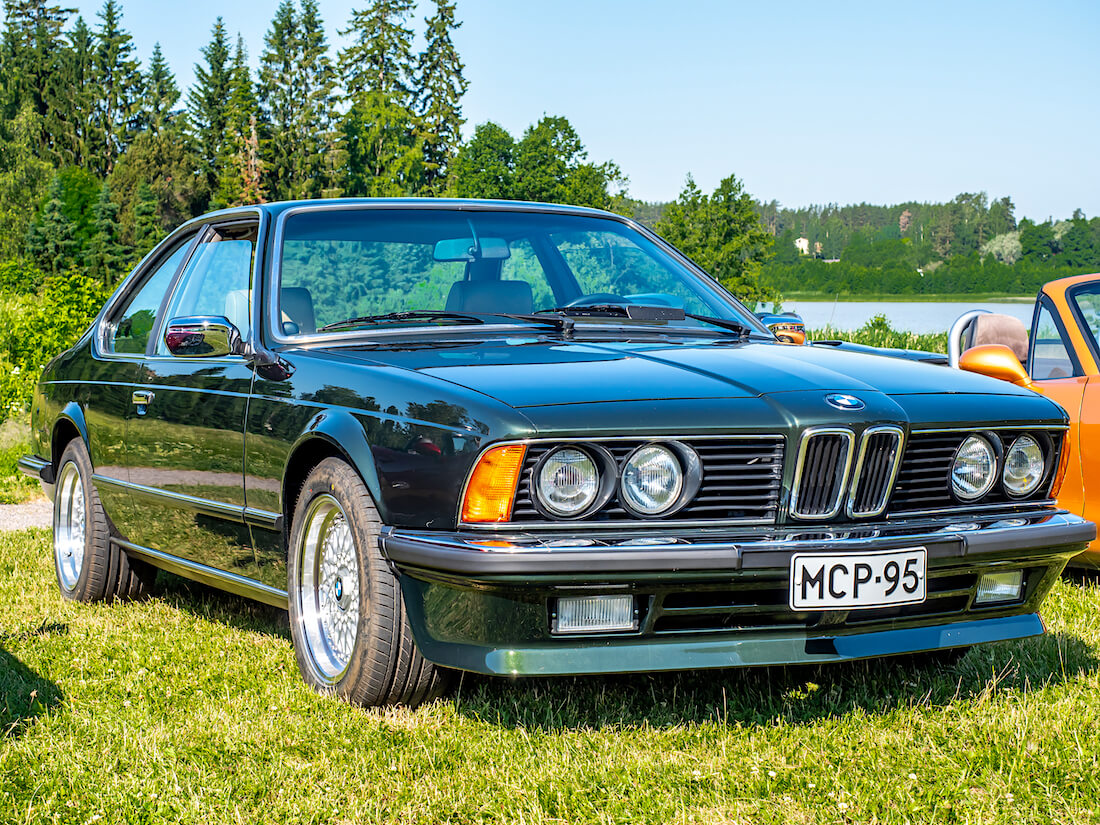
(188, 708)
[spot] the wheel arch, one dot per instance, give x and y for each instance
(70, 424)
(329, 434)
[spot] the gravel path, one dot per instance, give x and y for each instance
(37, 513)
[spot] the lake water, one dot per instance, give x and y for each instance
(913, 316)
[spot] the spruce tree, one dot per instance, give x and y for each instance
(31, 50)
(441, 87)
(118, 76)
(208, 104)
(316, 82)
(51, 240)
(74, 90)
(147, 229)
(295, 87)
(239, 179)
(380, 57)
(161, 93)
(380, 132)
(106, 257)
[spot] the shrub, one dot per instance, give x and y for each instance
(35, 328)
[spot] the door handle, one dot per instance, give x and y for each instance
(142, 398)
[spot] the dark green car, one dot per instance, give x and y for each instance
(525, 439)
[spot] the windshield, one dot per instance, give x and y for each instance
(338, 266)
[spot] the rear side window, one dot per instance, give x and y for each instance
(129, 334)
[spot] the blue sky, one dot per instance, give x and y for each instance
(806, 102)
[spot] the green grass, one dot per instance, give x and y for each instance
(15, 487)
(188, 708)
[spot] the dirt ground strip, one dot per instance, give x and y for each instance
(37, 513)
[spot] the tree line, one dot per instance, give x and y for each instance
(968, 245)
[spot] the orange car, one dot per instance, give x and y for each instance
(1062, 358)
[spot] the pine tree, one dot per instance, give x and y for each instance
(161, 93)
(106, 257)
(208, 104)
(441, 87)
(24, 178)
(118, 76)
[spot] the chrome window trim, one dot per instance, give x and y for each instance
(273, 329)
(842, 486)
(607, 525)
(135, 279)
(888, 488)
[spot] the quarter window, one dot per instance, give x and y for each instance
(1050, 357)
(130, 333)
(218, 280)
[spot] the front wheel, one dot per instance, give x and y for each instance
(347, 618)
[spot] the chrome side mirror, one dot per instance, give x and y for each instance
(203, 336)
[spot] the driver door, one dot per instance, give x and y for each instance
(186, 441)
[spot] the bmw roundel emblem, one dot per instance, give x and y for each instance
(844, 402)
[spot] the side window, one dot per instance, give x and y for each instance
(217, 280)
(1050, 357)
(130, 332)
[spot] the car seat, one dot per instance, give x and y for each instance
(992, 328)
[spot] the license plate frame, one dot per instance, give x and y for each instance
(839, 577)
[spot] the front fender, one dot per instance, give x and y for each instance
(344, 433)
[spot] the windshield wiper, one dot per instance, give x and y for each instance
(643, 312)
(418, 315)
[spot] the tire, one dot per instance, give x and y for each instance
(347, 618)
(88, 567)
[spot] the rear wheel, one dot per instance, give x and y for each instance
(347, 618)
(89, 568)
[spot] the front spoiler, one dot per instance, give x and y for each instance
(574, 656)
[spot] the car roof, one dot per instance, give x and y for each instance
(456, 204)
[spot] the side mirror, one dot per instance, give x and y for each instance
(996, 361)
(203, 336)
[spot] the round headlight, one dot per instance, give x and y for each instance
(567, 482)
(1024, 466)
(652, 480)
(974, 469)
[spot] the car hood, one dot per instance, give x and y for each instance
(537, 371)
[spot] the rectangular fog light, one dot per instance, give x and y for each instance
(591, 614)
(1000, 587)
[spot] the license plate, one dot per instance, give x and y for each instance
(851, 581)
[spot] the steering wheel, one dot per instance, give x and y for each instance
(597, 298)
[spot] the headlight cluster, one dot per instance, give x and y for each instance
(1023, 466)
(653, 480)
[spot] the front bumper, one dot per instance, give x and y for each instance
(714, 598)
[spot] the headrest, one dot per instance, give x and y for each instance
(491, 296)
(999, 329)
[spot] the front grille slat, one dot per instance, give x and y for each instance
(879, 456)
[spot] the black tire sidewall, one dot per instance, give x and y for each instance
(360, 683)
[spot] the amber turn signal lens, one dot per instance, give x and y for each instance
(1060, 473)
(492, 487)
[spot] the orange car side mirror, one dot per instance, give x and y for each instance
(996, 361)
